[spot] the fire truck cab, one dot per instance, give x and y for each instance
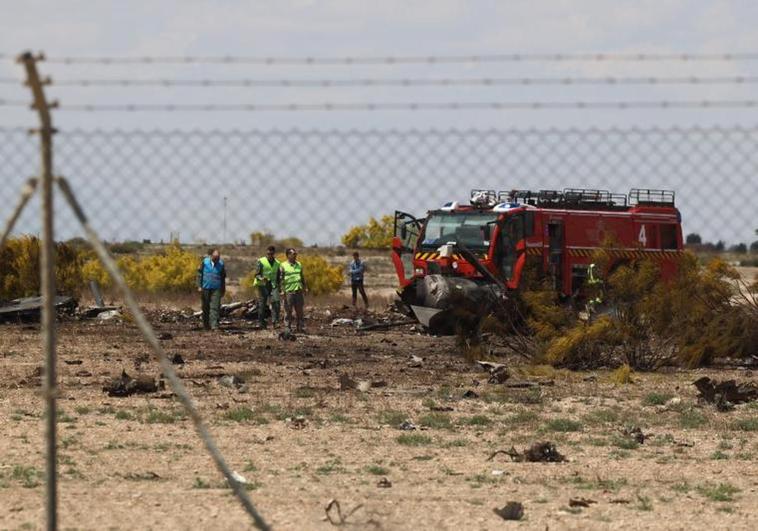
(556, 231)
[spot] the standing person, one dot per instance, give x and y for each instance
(357, 269)
(266, 280)
(211, 282)
(292, 283)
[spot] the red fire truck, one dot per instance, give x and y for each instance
(494, 237)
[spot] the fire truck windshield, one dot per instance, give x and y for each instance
(467, 228)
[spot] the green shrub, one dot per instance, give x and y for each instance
(376, 234)
(172, 270)
(701, 314)
(564, 425)
(19, 274)
(436, 420)
(414, 439)
(584, 345)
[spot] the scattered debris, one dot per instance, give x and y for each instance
(30, 308)
(416, 361)
(406, 425)
(142, 476)
(125, 385)
(248, 310)
(334, 512)
(498, 473)
(239, 478)
(511, 511)
(231, 380)
(580, 502)
(383, 326)
(672, 403)
(342, 322)
(498, 371)
(726, 393)
(541, 452)
(91, 313)
(177, 359)
(109, 315)
(97, 294)
(347, 383)
(297, 423)
(470, 394)
(384, 483)
(634, 433)
(524, 384)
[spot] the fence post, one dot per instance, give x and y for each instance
(47, 281)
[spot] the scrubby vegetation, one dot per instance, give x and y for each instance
(703, 314)
(376, 234)
(19, 274)
(172, 270)
(264, 239)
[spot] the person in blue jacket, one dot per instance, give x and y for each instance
(211, 283)
(357, 269)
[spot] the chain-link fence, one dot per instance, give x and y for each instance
(219, 186)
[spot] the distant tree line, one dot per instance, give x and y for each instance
(694, 240)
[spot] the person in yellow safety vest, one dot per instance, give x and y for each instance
(266, 281)
(292, 284)
(595, 284)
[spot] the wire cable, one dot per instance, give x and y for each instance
(411, 106)
(421, 59)
(14, 103)
(402, 82)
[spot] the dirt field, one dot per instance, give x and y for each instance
(300, 441)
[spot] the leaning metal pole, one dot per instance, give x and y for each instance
(168, 370)
(47, 285)
(26, 194)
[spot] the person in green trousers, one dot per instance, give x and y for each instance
(211, 283)
(266, 281)
(293, 285)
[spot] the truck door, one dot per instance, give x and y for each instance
(512, 249)
(406, 233)
(555, 257)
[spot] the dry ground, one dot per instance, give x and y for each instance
(136, 462)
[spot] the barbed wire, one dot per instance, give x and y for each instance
(408, 106)
(422, 59)
(400, 82)
(14, 103)
(147, 184)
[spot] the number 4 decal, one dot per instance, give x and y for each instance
(643, 236)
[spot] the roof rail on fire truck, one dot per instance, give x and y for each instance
(651, 197)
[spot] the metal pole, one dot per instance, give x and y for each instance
(47, 284)
(223, 239)
(26, 193)
(168, 370)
